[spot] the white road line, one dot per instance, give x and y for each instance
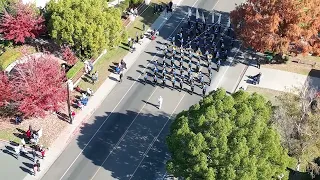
(155, 138)
(115, 107)
(230, 62)
(124, 134)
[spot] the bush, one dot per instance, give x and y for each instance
(135, 2)
(75, 69)
(124, 5)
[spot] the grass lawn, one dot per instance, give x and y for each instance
(115, 55)
(269, 94)
(305, 65)
(13, 54)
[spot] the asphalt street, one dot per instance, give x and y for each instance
(131, 130)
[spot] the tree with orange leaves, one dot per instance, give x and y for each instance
(279, 26)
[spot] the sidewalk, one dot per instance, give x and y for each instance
(64, 138)
(278, 80)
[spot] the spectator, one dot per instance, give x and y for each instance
(73, 114)
(94, 77)
(29, 134)
(135, 11)
(18, 119)
(89, 92)
(123, 64)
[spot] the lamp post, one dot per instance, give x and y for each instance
(68, 102)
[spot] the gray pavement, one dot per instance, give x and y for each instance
(278, 80)
(125, 137)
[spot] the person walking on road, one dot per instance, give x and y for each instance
(120, 77)
(160, 100)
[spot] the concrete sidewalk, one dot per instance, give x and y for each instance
(64, 138)
(278, 80)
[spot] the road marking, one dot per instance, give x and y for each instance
(124, 134)
(155, 138)
(117, 104)
(230, 62)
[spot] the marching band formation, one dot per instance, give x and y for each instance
(196, 47)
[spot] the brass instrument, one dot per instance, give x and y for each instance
(174, 48)
(209, 56)
(198, 53)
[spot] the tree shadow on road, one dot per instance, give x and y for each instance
(123, 147)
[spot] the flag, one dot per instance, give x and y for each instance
(213, 18)
(189, 12)
(219, 20)
(197, 14)
(203, 19)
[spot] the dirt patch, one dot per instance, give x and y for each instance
(306, 65)
(52, 125)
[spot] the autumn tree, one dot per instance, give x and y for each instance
(37, 86)
(87, 26)
(21, 22)
(226, 137)
(69, 56)
(5, 89)
(297, 119)
(280, 26)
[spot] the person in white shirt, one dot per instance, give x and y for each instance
(160, 100)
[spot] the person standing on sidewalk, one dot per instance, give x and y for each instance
(120, 77)
(94, 77)
(73, 114)
(160, 100)
(17, 151)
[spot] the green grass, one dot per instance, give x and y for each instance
(269, 94)
(8, 135)
(75, 69)
(11, 55)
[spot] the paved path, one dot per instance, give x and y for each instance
(278, 80)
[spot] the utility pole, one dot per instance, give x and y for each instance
(68, 102)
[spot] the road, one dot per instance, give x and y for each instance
(125, 137)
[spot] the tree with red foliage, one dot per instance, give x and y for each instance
(21, 22)
(38, 86)
(5, 89)
(69, 56)
(280, 26)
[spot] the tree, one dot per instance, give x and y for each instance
(280, 26)
(69, 56)
(38, 86)
(86, 25)
(296, 120)
(21, 22)
(5, 89)
(226, 137)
